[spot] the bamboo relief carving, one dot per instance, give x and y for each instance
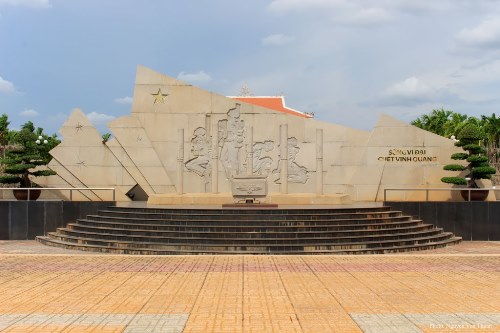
(200, 149)
(296, 173)
(262, 163)
(231, 140)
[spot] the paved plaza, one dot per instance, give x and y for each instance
(456, 289)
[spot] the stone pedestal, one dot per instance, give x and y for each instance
(249, 187)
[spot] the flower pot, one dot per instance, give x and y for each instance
(480, 195)
(23, 194)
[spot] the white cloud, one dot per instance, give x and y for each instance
(277, 40)
(409, 87)
(299, 5)
(410, 92)
(27, 3)
(485, 35)
(99, 118)
(124, 100)
(419, 7)
(201, 76)
(6, 86)
(367, 16)
(403, 6)
(29, 113)
(343, 11)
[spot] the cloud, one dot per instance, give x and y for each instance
(342, 11)
(124, 100)
(27, 3)
(29, 113)
(99, 118)
(281, 6)
(410, 92)
(403, 6)
(367, 16)
(6, 86)
(276, 40)
(201, 76)
(409, 87)
(485, 35)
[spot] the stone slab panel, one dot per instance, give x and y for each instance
(36, 219)
(4, 220)
(18, 220)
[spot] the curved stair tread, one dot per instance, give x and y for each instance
(240, 230)
(79, 226)
(442, 235)
(186, 220)
(146, 251)
(365, 226)
(238, 210)
(263, 238)
(258, 214)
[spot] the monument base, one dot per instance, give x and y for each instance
(227, 198)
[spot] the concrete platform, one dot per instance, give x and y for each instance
(227, 198)
(68, 292)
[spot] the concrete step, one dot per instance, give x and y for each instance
(241, 215)
(151, 251)
(262, 245)
(253, 231)
(218, 232)
(247, 222)
(248, 237)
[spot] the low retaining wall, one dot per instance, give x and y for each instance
(469, 220)
(24, 220)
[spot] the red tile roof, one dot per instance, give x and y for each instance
(276, 103)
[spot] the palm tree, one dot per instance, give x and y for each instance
(491, 126)
(454, 124)
(4, 132)
(434, 122)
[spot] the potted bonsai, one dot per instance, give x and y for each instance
(20, 164)
(477, 167)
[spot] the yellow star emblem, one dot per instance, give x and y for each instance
(159, 97)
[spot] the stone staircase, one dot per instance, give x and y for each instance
(362, 230)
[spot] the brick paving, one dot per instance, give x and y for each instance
(455, 289)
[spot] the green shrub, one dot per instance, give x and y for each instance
(459, 156)
(32, 151)
(478, 167)
(454, 180)
(454, 167)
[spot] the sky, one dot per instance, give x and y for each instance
(347, 61)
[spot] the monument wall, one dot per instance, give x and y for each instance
(182, 141)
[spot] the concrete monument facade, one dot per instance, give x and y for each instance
(183, 144)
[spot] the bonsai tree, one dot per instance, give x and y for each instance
(478, 167)
(32, 150)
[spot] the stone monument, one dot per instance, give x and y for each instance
(185, 145)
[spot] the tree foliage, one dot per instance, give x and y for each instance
(491, 127)
(477, 167)
(31, 150)
(447, 123)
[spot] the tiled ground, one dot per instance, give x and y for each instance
(458, 291)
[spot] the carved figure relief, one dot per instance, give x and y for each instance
(296, 172)
(231, 138)
(262, 163)
(200, 148)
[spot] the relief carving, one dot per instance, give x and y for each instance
(296, 172)
(231, 139)
(200, 148)
(262, 163)
(249, 188)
